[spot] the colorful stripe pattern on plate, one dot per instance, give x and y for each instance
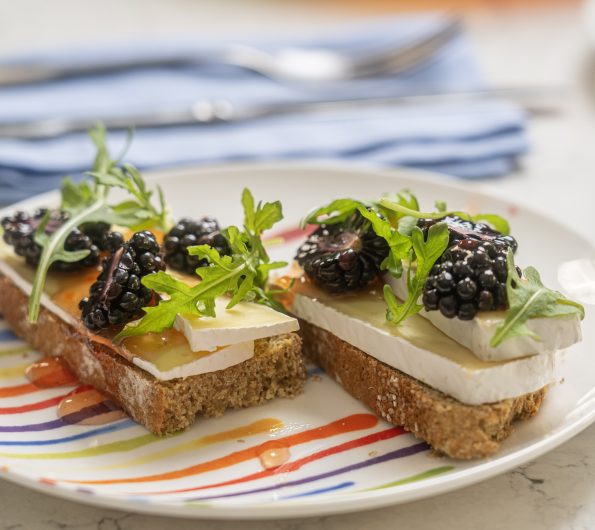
(279, 451)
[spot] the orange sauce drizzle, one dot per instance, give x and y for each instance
(272, 454)
(351, 423)
(50, 372)
(87, 397)
(73, 290)
(19, 390)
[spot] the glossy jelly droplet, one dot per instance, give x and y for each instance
(272, 454)
(50, 372)
(286, 294)
(87, 406)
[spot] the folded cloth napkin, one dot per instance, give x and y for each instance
(473, 139)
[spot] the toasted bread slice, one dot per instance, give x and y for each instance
(276, 369)
(449, 426)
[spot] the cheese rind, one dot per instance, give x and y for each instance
(556, 333)
(245, 321)
(219, 360)
(423, 352)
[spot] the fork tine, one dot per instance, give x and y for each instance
(398, 60)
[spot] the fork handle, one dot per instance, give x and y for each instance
(11, 75)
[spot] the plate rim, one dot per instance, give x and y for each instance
(337, 503)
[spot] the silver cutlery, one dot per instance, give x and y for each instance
(291, 63)
(535, 100)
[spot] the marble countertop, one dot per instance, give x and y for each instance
(543, 48)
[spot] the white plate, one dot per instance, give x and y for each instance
(342, 472)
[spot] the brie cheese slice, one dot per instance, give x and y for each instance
(205, 363)
(245, 321)
(556, 333)
(420, 350)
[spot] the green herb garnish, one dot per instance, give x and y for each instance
(409, 249)
(440, 206)
(529, 298)
(399, 244)
(243, 275)
(87, 202)
(401, 209)
(339, 210)
(335, 212)
(495, 221)
(424, 254)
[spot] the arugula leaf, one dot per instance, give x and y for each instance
(163, 315)
(87, 202)
(243, 274)
(425, 254)
(339, 210)
(529, 298)
(406, 225)
(137, 212)
(398, 243)
(249, 211)
(407, 198)
(224, 274)
(61, 254)
(497, 222)
(404, 197)
(406, 244)
(266, 216)
(75, 196)
(334, 212)
(440, 206)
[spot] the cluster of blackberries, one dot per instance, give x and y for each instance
(471, 274)
(20, 228)
(118, 295)
(188, 233)
(343, 256)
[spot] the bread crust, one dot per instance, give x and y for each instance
(460, 431)
(276, 370)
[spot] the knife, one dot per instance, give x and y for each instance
(535, 100)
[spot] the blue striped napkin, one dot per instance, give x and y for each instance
(469, 140)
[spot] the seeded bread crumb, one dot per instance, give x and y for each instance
(460, 431)
(276, 370)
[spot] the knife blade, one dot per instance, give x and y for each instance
(535, 100)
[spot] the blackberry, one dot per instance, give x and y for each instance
(459, 230)
(471, 274)
(118, 295)
(102, 237)
(188, 233)
(19, 232)
(344, 256)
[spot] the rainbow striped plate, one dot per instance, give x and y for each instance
(339, 457)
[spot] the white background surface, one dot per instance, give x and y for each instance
(548, 47)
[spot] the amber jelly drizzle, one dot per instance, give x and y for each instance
(88, 406)
(50, 372)
(273, 454)
(82, 406)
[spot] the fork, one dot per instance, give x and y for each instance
(289, 64)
